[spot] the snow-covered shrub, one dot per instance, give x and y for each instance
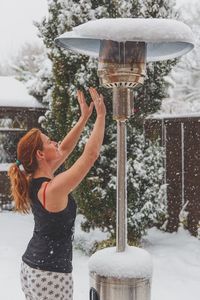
(147, 205)
(84, 241)
(146, 192)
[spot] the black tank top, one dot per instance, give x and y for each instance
(50, 248)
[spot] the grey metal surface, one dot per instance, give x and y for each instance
(110, 288)
(123, 103)
(121, 230)
(122, 110)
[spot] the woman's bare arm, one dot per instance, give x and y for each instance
(69, 142)
(67, 181)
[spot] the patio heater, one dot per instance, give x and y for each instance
(123, 46)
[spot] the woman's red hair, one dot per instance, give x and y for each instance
(26, 154)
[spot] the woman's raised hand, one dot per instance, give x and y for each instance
(86, 110)
(98, 102)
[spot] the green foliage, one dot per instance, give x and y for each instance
(146, 193)
(111, 242)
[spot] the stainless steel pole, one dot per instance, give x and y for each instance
(121, 238)
(122, 110)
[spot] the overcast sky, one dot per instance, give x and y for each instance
(16, 23)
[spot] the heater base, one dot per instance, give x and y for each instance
(110, 288)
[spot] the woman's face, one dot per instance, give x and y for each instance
(50, 148)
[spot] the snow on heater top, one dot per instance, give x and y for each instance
(123, 45)
(165, 38)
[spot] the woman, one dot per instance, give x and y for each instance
(47, 262)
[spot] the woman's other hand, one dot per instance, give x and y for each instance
(98, 102)
(86, 110)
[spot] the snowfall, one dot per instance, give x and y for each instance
(175, 256)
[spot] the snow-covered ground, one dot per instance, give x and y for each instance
(176, 261)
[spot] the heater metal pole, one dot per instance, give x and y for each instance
(122, 110)
(121, 187)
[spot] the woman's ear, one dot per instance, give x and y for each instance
(39, 155)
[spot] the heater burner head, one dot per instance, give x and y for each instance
(122, 64)
(114, 76)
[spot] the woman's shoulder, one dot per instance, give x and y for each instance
(36, 183)
(38, 179)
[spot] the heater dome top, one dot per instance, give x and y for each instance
(165, 38)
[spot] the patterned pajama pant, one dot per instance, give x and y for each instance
(45, 285)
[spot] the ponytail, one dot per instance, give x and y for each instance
(19, 179)
(19, 188)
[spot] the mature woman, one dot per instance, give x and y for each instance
(46, 271)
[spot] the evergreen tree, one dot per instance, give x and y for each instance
(184, 79)
(96, 195)
(27, 62)
(145, 169)
(149, 96)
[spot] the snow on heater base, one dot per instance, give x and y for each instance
(120, 275)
